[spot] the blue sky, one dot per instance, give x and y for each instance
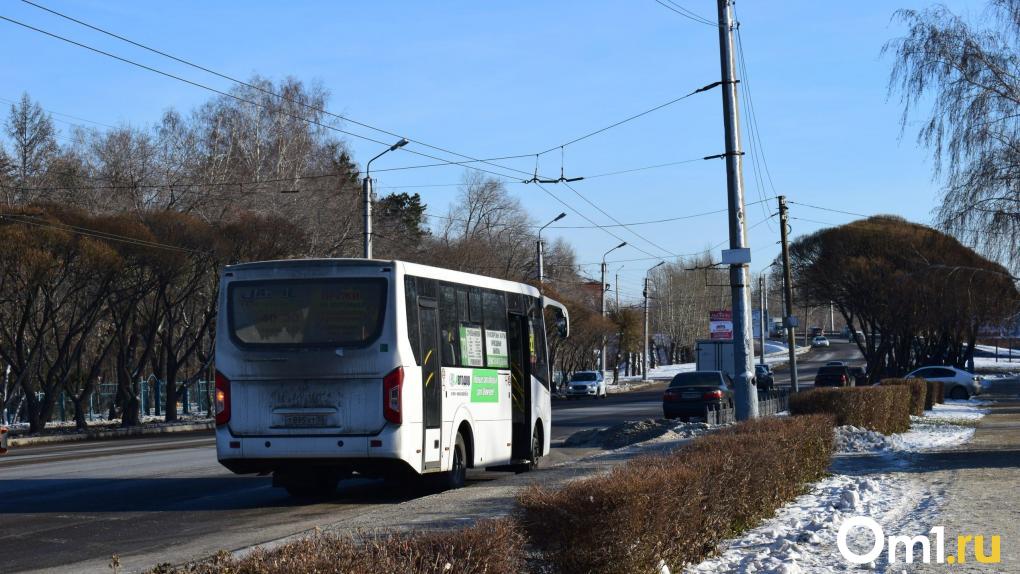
(497, 79)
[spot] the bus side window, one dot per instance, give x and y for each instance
(411, 304)
(475, 306)
(448, 325)
(497, 354)
(539, 364)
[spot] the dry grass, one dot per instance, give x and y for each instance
(677, 507)
(488, 547)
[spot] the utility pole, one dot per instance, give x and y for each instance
(602, 298)
(540, 248)
(738, 256)
(647, 348)
(761, 314)
(366, 196)
(788, 320)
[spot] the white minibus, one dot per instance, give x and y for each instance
(330, 367)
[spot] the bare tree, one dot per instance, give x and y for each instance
(969, 75)
(33, 137)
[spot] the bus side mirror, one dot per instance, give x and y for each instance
(561, 325)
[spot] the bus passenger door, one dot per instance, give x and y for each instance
(520, 386)
(432, 385)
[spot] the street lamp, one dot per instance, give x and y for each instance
(366, 189)
(602, 353)
(646, 350)
(540, 247)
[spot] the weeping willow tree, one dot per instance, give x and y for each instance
(963, 78)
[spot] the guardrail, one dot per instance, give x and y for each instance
(770, 403)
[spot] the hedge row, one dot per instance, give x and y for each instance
(677, 507)
(918, 392)
(488, 547)
(936, 394)
(882, 409)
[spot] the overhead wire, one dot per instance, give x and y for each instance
(686, 13)
(261, 89)
(94, 233)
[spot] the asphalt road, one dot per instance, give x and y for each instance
(69, 507)
(808, 363)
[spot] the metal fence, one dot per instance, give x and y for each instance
(770, 403)
(195, 400)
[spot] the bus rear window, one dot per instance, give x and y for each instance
(342, 312)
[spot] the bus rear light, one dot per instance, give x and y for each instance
(393, 387)
(222, 399)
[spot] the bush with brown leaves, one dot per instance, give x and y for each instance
(882, 409)
(488, 547)
(676, 508)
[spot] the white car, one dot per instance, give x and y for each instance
(587, 384)
(819, 341)
(957, 383)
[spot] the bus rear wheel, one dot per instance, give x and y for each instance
(456, 477)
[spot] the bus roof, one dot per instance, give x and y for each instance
(407, 267)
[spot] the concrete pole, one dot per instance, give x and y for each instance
(366, 193)
(602, 302)
(745, 395)
(761, 315)
(791, 337)
(644, 355)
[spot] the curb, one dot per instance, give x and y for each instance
(111, 434)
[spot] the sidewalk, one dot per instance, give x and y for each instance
(981, 480)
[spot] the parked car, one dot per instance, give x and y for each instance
(957, 383)
(587, 384)
(834, 376)
(690, 394)
(766, 380)
(819, 341)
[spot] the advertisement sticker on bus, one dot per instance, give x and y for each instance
(484, 386)
(471, 346)
(495, 348)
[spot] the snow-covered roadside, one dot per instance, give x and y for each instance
(801, 537)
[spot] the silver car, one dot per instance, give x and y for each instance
(587, 384)
(957, 383)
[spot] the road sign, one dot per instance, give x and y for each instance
(720, 324)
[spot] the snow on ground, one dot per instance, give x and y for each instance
(801, 537)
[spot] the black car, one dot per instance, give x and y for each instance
(691, 394)
(766, 380)
(859, 374)
(834, 376)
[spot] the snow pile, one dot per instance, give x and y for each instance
(775, 347)
(801, 537)
(631, 432)
(855, 439)
(945, 426)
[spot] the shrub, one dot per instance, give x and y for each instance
(918, 392)
(490, 547)
(882, 409)
(677, 507)
(936, 394)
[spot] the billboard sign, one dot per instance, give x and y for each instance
(720, 325)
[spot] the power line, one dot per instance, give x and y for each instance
(647, 167)
(631, 118)
(618, 222)
(260, 89)
(256, 104)
(829, 209)
(95, 233)
(687, 13)
(15, 103)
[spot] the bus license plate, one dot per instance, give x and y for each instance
(304, 421)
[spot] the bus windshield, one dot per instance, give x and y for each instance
(340, 312)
